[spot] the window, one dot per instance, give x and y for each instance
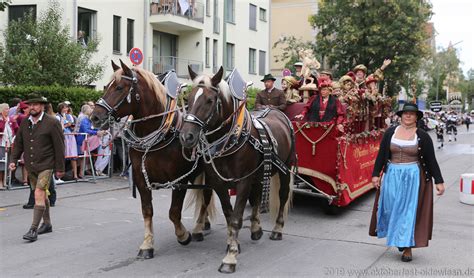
(261, 62)
(230, 56)
(208, 7)
(216, 18)
(19, 11)
(263, 14)
(207, 53)
(130, 32)
(230, 11)
(252, 61)
(215, 49)
(86, 25)
(116, 34)
(253, 17)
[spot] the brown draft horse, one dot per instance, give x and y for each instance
(210, 106)
(138, 92)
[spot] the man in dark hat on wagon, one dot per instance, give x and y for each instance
(41, 140)
(270, 97)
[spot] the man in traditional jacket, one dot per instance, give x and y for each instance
(270, 97)
(41, 140)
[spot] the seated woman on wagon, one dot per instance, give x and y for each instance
(324, 107)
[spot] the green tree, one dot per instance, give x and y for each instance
(4, 4)
(367, 32)
(290, 46)
(444, 64)
(466, 87)
(41, 52)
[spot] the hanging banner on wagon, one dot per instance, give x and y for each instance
(136, 56)
(356, 163)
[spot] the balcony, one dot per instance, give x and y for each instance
(164, 63)
(180, 15)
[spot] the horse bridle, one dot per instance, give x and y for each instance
(191, 118)
(111, 111)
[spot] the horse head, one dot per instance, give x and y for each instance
(208, 104)
(125, 95)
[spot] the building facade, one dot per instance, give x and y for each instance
(172, 34)
(291, 19)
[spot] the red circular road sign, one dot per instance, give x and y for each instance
(136, 56)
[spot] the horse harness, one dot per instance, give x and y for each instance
(235, 139)
(159, 139)
(111, 111)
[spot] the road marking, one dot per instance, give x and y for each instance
(109, 199)
(110, 222)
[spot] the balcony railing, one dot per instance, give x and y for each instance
(164, 63)
(190, 9)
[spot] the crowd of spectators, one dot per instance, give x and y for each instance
(76, 130)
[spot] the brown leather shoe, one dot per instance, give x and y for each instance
(45, 228)
(31, 235)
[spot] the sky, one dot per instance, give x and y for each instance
(454, 22)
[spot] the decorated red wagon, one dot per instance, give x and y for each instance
(332, 164)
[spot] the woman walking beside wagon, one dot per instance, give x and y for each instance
(403, 208)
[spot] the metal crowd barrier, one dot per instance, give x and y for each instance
(87, 155)
(7, 178)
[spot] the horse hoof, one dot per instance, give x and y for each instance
(228, 247)
(187, 241)
(227, 268)
(207, 226)
(257, 235)
(198, 236)
(145, 254)
(276, 236)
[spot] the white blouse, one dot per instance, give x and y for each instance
(401, 142)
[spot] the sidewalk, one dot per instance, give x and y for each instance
(9, 198)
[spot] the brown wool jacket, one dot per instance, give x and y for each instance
(42, 145)
(275, 98)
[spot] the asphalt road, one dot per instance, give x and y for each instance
(98, 229)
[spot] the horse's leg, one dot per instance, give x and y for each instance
(207, 223)
(255, 200)
(198, 234)
(146, 249)
(230, 260)
(177, 200)
(283, 184)
(223, 194)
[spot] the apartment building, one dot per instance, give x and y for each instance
(172, 34)
(290, 19)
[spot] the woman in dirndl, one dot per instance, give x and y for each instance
(403, 208)
(67, 122)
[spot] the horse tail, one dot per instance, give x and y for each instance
(211, 208)
(274, 202)
(196, 198)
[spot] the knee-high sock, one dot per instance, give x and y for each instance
(37, 215)
(46, 216)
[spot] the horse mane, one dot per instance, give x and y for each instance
(150, 80)
(222, 86)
